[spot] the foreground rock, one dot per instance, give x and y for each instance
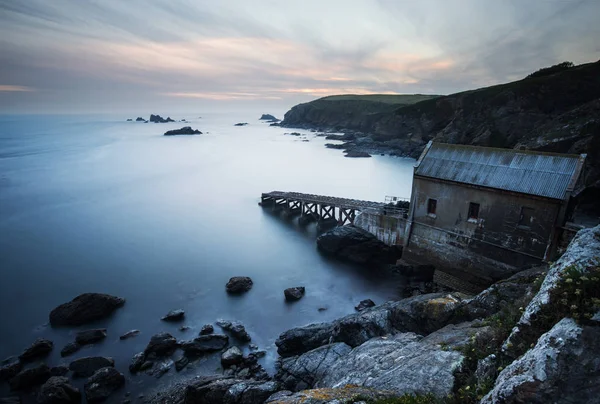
(342, 395)
(364, 304)
(232, 356)
(239, 332)
(10, 369)
(357, 245)
(186, 130)
(57, 390)
(239, 284)
(204, 344)
(174, 315)
(90, 336)
(294, 294)
(219, 390)
(29, 378)
(85, 308)
(102, 384)
(40, 348)
(562, 367)
(85, 367)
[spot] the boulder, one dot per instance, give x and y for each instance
(70, 349)
(364, 304)
(29, 378)
(239, 284)
(137, 362)
(226, 390)
(354, 244)
(174, 315)
(10, 369)
(41, 347)
(224, 324)
(343, 395)
(356, 153)
(205, 343)
(239, 332)
(58, 390)
(85, 367)
(302, 339)
(161, 344)
(102, 384)
(232, 356)
(85, 308)
(186, 130)
(293, 294)
(129, 334)
(562, 367)
(207, 329)
(181, 363)
(90, 336)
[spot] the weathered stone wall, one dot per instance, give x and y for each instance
(389, 229)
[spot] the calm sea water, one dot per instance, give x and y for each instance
(97, 204)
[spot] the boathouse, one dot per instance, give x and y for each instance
(487, 211)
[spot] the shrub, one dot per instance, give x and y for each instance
(546, 71)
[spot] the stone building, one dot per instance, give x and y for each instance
(480, 213)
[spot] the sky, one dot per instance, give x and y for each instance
(78, 56)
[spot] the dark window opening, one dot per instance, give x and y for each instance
(526, 217)
(431, 206)
(473, 210)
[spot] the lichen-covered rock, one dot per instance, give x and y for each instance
(84, 309)
(102, 384)
(29, 378)
(343, 395)
(85, 367)
(40, 348)
(563, 367)
(226, 390)
(57, 390)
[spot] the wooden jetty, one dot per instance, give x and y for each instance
(325, 208)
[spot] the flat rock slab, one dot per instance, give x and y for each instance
(84, 309)
(70, 349)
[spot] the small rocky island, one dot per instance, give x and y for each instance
(186, 130)
(241, 124)
(269, 118)
(160, 119)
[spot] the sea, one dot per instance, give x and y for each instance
(94, 203)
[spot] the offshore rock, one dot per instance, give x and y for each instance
(137, 362)
(356, 153)
(241, 124)
(40, 348)
(239, 284)
(294, 294)
(57, 390)
(343, 395)
(85, 308)
(160, 119)
(102, 384)
(186, 130)
(85, 367)
(562, 367)
(268, 117)
(30, 377)
(90, 336)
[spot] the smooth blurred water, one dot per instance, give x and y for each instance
(97, 204)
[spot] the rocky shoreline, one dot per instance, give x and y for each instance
(533, 337)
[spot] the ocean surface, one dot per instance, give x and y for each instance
(98, 204)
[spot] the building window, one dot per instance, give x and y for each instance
(526, 217)
(473, 211)
(431, 207)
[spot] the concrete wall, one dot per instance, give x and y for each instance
(491, 246)
(389, 229)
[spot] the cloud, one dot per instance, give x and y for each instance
(10, 88)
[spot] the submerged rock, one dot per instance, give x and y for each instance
(90, 336)
(102, 384)
(129, 334)
(174, 315)
(85, 308)
(186, 130)
(29, 378)
(364, 304)
(58, 390)
(293, 294)
(59, 370)
(40, 348)
(239, 284)
(70, 349)
(224, 324)
(85, 367)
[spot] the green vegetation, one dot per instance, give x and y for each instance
(398, 99)
(409, 399)
(546, 71)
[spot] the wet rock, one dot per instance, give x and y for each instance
(239, 284)
(232, 356)
(293, 294)
(562, 367)
(224, 324)
(174, 315)
(211, 390)
(161, 344)
(207, 329)
(10, 369)
(364, 304)
(29, 378)
(40, 348)
(302, 339)
(129, 120)
(59, 370)
(357, 245)
(184, 328)
(70, 349)
(90, 336)
(129, 334)
(85, 308)
(239, 332)
(186, 130)
(137, 362)
(341, 395)
(102, 384)
(57, 390)
(85, 367)
(205, 343)
(162, 367)
(181, 363)
(356, 153)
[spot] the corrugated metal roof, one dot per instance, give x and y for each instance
(543, 174)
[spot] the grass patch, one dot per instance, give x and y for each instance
(410, 399)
